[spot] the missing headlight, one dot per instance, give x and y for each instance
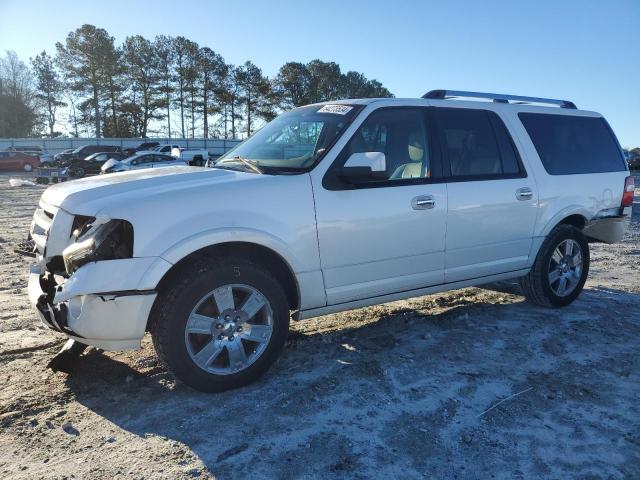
(81, 224)
(110, 240)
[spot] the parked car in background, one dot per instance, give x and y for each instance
(634, 162)
(193, 156)
(26, 148)
(91, 164)
(141, 160)
(84, 151)
(58, 157)
(143, 147)
(42, 154)
(11, 160)
(168, 149)
(370, 201)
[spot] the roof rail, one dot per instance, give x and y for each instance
(497, 97)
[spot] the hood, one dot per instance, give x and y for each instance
(108, 164)
(87, 196)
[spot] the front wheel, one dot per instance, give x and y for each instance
(560, 269)
(220, 324)
(27, 167)
(77, 172)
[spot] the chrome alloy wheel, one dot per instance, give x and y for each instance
(565, 267)
(229, 329)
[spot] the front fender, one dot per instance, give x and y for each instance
(208, 238)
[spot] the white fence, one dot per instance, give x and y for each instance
(215, 146)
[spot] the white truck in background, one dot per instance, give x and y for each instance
(193, 156)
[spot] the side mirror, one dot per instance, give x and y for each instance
(365, 165)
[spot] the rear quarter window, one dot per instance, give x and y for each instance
(570, 144)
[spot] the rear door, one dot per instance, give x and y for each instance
(164, 161)
(378, 237)
(13, 161)
(144, 161)
(492, 202)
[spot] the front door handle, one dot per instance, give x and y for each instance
(423, 202)
(524, 193)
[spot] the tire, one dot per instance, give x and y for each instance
(27, 167)
(77, 172)
(189, 301)
(543, 284)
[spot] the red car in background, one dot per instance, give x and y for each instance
(18, 161)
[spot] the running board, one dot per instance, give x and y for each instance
(393, 297)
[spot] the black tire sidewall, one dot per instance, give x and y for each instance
(191, 292)
(557, 237)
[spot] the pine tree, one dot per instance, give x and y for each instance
(84, 59)
(163, 46)
(143, 74)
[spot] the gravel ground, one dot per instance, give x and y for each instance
(474, 383)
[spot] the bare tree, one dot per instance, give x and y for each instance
(49, 87)
(17, 97)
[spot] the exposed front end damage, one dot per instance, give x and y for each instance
(111, 321)
(86, 283)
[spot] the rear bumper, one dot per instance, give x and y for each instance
(110, 321)
(609, 229)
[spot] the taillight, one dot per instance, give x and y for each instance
(627, 194)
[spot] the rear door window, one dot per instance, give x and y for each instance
(477, 144)
(569, 144)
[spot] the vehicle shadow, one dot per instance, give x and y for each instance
(386, 386)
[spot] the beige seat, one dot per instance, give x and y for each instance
(414, 168)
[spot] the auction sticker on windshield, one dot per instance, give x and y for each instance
(339, 109)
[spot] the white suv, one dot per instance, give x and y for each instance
(327, 208)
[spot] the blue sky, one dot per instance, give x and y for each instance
(586, 51)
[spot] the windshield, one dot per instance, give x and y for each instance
(295, 140)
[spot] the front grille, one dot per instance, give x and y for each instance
(42, 221)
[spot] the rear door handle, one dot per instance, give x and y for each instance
(524, 193)
(423, 202)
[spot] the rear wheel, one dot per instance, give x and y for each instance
(220, 324)
(560, 269)
(27, 167)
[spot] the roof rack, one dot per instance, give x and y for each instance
(497, 97)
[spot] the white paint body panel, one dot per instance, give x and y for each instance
(346, 248)
(373, 242)
(489, 230)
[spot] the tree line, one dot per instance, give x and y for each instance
(167, 86)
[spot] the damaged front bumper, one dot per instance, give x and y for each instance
(114, 320)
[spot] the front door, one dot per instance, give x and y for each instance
(382, 236)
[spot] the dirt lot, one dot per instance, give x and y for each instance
(404, 390)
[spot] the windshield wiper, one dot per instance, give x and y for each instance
(251, 164)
